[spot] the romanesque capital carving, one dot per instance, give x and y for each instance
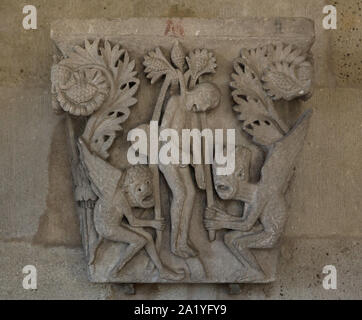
(177, 220)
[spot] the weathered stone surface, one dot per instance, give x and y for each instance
(27, 70)
(20, 132)
(300, 275)
(35, 171)
(25, 63)
(62, 275)
(324, 195)
(346, 44)
(271, 62)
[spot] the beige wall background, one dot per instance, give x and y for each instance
(38, 223)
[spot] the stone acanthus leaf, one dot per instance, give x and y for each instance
(156, 66)
(284, 70)
(263, 75)
(97, 80)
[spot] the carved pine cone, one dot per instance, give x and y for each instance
(281, 81)
(178, 56)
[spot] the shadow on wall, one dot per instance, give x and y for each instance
(59, 225)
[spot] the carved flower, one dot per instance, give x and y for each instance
(156, 66)
(284, 81)
(200, 62)
(79, 92)
(284, 70)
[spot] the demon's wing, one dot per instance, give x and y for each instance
(280, 160)
(104, 177)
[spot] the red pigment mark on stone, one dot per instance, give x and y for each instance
(174, 28)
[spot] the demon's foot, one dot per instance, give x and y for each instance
(167, 274)
(185, 251)
(253, 275)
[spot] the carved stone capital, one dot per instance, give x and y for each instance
(177, 222)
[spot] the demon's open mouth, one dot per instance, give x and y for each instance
(223, 188)
(147, 198)
(224, 191)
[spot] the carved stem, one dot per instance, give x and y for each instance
(193, 82)
(73, 148)
(274, 115)
(187, 76)
(161, 97)
(207, 169)
(74, 159)
(156, 174)
(208, 179)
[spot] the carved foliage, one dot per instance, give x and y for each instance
(263, 75)
(97, 80)
(197, 63)
(284, 70)
(156, 66)
(201, 62)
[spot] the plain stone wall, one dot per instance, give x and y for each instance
(38, 224)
